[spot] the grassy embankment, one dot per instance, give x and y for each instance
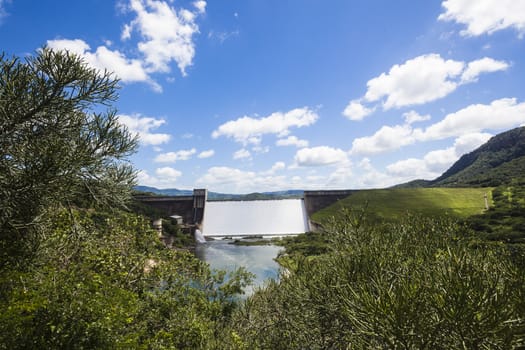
(391, 204)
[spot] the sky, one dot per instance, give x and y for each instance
(241, 96)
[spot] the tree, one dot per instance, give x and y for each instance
(60, 140)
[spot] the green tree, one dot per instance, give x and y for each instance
(60, 141)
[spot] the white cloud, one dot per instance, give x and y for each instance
(434, 163)
(167, 36)
(227, 178)
(388, 138)
(239, 181)
(414, 117)
(469, 142)
(242, 154)
(468, 122)
(499, 114)
(319, 156)
(278, 166)
(355, 110)
(200, 5)
(485, 16)
(484, 65)
(142, 127)
(340, 176)
(419, 80)
(292, 141)
(411, 169)
(164, 177)
(167, 33)
(250, 130)
(372, 178)
(172, 157)
(206, 154)
(128, 70)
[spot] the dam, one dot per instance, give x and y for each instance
(257, 217)
(274, 217)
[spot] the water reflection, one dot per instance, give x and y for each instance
(256, 259)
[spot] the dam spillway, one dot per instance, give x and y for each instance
(258, 217)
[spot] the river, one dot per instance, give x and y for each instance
(259, 259)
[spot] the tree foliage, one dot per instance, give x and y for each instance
(60, 141)
(102, 280)
(416, 284)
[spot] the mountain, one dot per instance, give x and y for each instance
(498, 161)
(165, 192)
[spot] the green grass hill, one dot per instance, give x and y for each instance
(391, 204)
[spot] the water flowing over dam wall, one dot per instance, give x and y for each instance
(259, 217)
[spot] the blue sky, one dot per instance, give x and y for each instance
(242, 96)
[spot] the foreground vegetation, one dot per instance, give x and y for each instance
(417, 284)
(102, 280)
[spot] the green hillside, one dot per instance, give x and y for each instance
(390, 204)
(494, 163)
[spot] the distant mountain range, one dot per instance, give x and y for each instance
(497, 162)
(223, 196)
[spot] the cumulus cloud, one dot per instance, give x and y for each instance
(414, 117)
(292, 141)
(419, 80)
(126, 69)
(242, 154)
(277, 166)
(434, 163)
(239, 181)
(164, 177)
(386, 139)
(250, 130)
(167, 36)
(319, 156)
(143, 126)
(167, 33)
(172, 157)
(485, 16)
(200, 6)
(355, 110)
(206, 154)
(499, 114)
(484, 65)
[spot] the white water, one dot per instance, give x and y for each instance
(199, 237)
(245, 218)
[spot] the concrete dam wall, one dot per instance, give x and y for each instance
(258, 217)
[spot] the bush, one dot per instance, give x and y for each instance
(418, 284)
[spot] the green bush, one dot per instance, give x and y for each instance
(417, 284)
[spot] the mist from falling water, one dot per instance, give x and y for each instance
(262, 217)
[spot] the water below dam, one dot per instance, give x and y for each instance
(259, 260)
(259, 217)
